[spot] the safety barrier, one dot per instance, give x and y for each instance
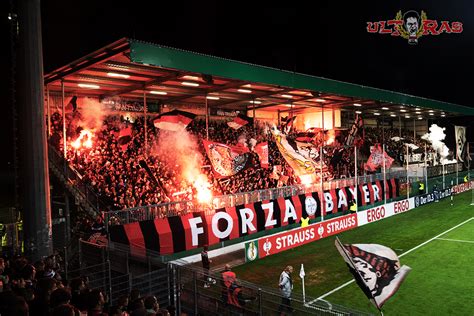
(150, 212)
(184, 287)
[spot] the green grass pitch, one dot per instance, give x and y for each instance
(442, 278)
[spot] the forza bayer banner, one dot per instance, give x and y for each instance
(180, 233)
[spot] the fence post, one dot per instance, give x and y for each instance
(65, 261)
(177, 290)
(195, 293)
(109, 288)
(80, 252)
(169, 285)
(149, 278)
(260, 305)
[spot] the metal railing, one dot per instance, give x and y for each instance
(74, 179)
(163, 210)
(183, 286)
(194, 298)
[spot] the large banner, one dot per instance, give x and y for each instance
(226, 160)
(303, 158)
(460, 135)
(179, 233)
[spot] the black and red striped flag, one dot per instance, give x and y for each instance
(239, 121)
(175, 120)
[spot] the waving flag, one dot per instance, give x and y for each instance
(175, 120)
(460, 135)
(376, 269)
(239, 121)
(376, 159)
(355, 129)
(287, 123)
(124, 137)
(226, 160)
(303, 158)
(262, 151)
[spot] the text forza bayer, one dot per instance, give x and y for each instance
(286, 211)
(179, 233)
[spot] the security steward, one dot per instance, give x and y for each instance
(228, 278)
(304, 222)
(3, 235)
(353, 206)
(421, 188)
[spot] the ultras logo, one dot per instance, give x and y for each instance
(411, 26)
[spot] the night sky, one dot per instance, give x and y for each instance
(327, 39)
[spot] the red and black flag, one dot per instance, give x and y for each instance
(356, 128)
(175, 120)
(287, 123)
(71, 107)
(124, 137)
(239, 121)
(226, 160)
(376, 269)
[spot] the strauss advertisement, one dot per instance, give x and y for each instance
(280, 242)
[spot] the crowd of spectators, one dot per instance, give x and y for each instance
(40, 289)
(114, 172)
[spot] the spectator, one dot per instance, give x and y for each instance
(96, 302)
(40, 305)
(135, 302)
(59, 297)
(79, 294)
(228, 277)
(286, 287)
(64, 310)
(206, 265)
(151, 305)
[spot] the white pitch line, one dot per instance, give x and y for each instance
(457, 240)
(405, 253)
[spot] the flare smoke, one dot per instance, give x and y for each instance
(436, 137)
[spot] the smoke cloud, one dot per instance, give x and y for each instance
(436, 137)
(92, 114)
(181, 150)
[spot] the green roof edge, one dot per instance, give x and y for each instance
(162, 56)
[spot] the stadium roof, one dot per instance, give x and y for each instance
(128, 68)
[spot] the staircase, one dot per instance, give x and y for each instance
(84, 196)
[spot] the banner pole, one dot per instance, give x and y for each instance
(457, 156)
(384, 175)
(207, 117)
(145, 126)
(63, 105)
(323, 209)
(426, 171)
(322, 182)
(408, 179)
(356, 178)
(444, 182)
